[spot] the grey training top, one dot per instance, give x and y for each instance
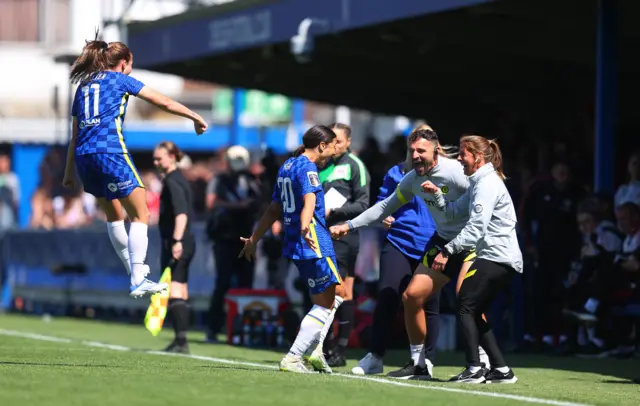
(491, 226)
(448, 175)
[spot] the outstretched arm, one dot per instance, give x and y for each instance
(402, 195)
(273, 213)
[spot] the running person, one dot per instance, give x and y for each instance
(401, 253)
(98, 151)
(178, 242)
(491, 229)
(298, 200)
(429, 164)
(345, 174)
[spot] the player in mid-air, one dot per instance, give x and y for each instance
(298, 201)
(98, 151)
(429, 163)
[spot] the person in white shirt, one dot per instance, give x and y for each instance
(630, 191)
(491, 229)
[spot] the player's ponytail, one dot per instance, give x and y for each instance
(97, 56)
(314, 137)
(299, 151)
(91, 61)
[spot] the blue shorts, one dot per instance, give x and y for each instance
(320, 273)
(112, 176)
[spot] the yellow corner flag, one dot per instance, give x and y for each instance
(157, 310)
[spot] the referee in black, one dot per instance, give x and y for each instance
(178, 243)
(347, 176)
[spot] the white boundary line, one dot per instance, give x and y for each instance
(528, 399)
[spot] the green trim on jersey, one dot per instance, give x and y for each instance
(335, 172)
(361, 168)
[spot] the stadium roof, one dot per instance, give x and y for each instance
(397, 57)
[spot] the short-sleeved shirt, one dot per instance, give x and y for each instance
(176, 198)
(100, 106)
(298, 177)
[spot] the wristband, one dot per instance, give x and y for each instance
(176, 241)
(351, 228)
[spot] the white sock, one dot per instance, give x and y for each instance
(310, 329)
(417, 355)
(138, 243)
(119, 240)
(504, 370)
(484, 358)
(474, 369)
(317, 346)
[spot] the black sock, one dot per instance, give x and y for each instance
(346, 321)
(179, 311)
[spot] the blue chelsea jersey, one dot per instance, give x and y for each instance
(296, 178)
(100, 105)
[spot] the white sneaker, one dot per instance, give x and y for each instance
(429, 366)
(293, 364)
(318, 361)
(146, 286)
(368, 365)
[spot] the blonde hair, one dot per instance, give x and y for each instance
(477, 144)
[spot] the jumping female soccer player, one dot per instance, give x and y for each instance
(298, 201)
(491, 229)
(98, 151)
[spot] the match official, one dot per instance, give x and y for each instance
(178, 243)
(344, 178)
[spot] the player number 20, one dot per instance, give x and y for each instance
(286, 195)
(96, 99)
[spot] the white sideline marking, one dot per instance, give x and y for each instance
(528, 399)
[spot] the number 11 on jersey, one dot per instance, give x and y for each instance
(96, 100)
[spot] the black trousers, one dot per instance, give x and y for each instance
(227, 265)
(396, 270)
(483, 283)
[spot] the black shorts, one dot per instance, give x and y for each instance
(346, 254)
(180, 268)
(452, 269)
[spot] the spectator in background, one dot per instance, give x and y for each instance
(630, 191)
(233, 198)
(550, 218)
(601, 241)
(9, 194)
(154, 189)
(72, 209)
(42, 214)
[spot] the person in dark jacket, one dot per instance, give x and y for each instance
(345, 181)
(550, 210)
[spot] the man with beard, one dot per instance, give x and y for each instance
(430, 163)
